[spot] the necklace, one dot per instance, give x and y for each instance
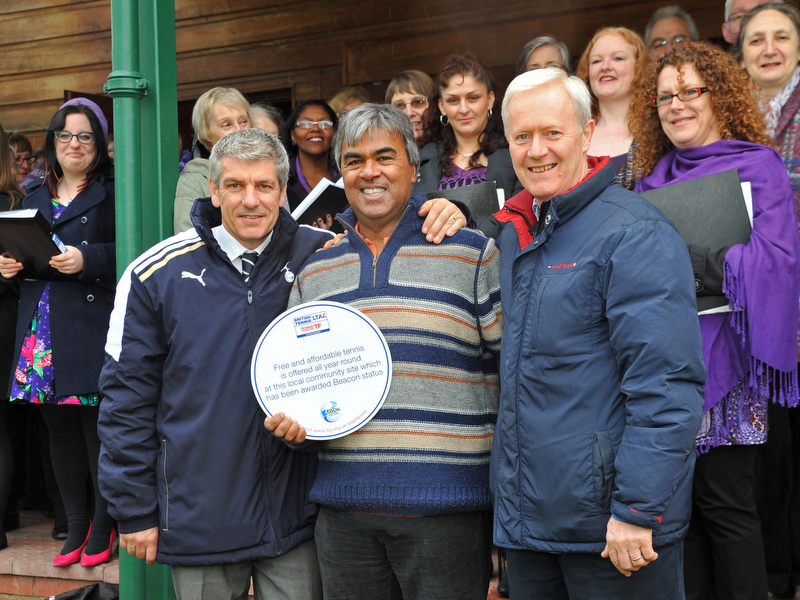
(66, 191)
(464, 156)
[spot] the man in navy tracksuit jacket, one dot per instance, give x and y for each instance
(186, 464)
(601, 367)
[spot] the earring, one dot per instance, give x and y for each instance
(444, 120)
(490, 113)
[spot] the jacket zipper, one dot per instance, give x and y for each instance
(261, 438)
(166, 487)
(374, 258)
(254, 338)
(524, 216)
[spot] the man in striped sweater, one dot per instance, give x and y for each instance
(405, 499)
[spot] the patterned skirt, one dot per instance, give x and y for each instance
(33, 377)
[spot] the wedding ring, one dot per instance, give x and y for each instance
(637, 558)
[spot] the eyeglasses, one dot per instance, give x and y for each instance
(736, 17)
(661, 42)
(21, 159)
(65, 137)
(415, 103)
(686, 95)
(309, 124)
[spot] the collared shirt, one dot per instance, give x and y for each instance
(232, 247)
(369, 243)
(536, 209)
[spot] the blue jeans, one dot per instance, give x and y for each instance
(541, 576)
(376, 557)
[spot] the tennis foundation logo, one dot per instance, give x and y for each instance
(330, 411)
(311, 324)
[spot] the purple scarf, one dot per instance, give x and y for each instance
(757, 342)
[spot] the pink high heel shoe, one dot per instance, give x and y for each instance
(91, 560)
(65, 560)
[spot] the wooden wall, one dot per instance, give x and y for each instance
(293, 48)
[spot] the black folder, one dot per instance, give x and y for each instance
(28, 236)
(480, 198)
(708, 211)
(325, 199)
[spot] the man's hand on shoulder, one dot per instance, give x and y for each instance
(334, 241)
(442, 218)
(141, 544)
(285, 428)
(629, 547)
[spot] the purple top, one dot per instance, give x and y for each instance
(461, 178)
(755, 345)
(302, 178)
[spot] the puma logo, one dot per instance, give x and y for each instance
(187, 275)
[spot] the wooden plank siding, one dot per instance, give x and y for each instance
(308, 47)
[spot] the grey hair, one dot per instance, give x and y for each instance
(249, 145)
(668, 12)
(370, 118)
(790, 11)
(269, 111)
(575, 87)
(729, 7)
(544, 40)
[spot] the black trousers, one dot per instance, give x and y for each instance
(724, 554)
(778, 499)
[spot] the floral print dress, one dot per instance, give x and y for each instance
(33, 377)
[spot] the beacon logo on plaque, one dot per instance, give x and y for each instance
(314, 323)
(330, 412)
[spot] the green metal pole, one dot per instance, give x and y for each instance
(143, 83)
(127, 86)
(159, 125)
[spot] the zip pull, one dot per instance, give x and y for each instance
(249, 296)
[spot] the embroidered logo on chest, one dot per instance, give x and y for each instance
(287, 274)
(187, 275)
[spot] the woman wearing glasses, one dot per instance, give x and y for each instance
(218, 112)
(63, 318)
(22, 146)
(307, 137)
(695, 114)
(411, 92)
(611, 66)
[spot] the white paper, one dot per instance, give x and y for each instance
(314, 194)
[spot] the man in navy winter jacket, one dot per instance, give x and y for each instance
(601, 366)
(187, 469)
(190, 474)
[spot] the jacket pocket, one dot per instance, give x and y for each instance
(564, 314)
(603, 471)
(163, 486)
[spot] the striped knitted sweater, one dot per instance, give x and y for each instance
(427, 450)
